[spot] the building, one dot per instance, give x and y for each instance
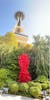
(18, 30)
(21, 37)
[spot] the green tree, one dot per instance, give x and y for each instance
(39, 56)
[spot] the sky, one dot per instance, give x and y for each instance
(37, 16)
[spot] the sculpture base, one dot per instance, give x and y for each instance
(24, 76)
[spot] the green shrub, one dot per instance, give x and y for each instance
(6, 74)
(23, 87)
(31, 83)
(44, 86)
(12, 75)
(36, 84)
(48, 83)
(13, 88)
(42, 79)
(2, 84)
(3, 74)
(35, 91)
(9, 81)
(38, 55)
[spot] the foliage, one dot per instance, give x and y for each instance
(48, 83)
(40, 56)
(13, 75)
(36, 84)
(39, 64)
(3, 53)
(9, 80)
(13, 88)
(2, 84)
(44, 86)
(23, 87)
(35, 91)
(31, 83)
(28, 46)
(10, 40)
(3, 74)
(9, 60)
(41, 79)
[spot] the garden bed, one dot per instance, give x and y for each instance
(33, 89)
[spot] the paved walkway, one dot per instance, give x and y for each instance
(12, 97)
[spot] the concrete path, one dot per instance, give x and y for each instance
(12, 97)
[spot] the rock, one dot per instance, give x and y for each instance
(46, 98)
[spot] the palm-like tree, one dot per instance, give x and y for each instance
(19, 16)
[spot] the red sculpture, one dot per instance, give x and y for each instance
(24, 75)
